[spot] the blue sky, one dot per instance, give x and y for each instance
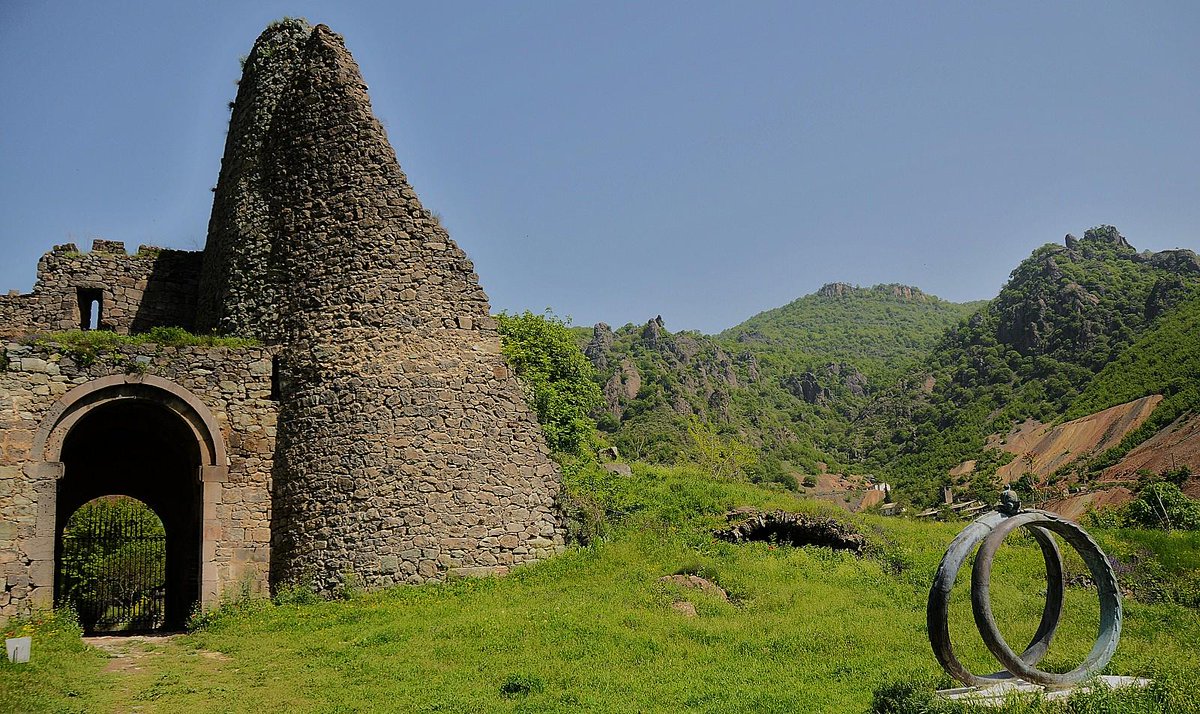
(615, 161)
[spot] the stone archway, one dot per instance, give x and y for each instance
(147, 438)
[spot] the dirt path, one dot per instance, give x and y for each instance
(145, 667)
(129, 653)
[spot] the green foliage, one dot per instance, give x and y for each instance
(906, 696)
(657, 436)
(744, 381)
(1163, 505)
(349, 585)
(903, 385)
(592, 501)
(769, 469)
(1059, 341)
(878, 329)
(86, 346)
(556, 376)
(1157, 566)
(722, 455)
(296, 594)
(98, 571)
(1165, 360)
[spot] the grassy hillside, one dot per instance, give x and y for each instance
(594, 630)
(895, 383)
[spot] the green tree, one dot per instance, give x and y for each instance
(557, 378)
(722, 455)
(1163, 505)
(101, 572)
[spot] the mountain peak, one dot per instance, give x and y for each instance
(1106, 235)
(903, 292)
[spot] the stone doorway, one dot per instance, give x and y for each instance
(144, 450)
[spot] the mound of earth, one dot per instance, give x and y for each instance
(1075, 505)
(795, 529)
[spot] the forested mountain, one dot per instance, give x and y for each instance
(1165, 360)
(880, 328)
(783, 381)
(1033, 352)
(896, 383)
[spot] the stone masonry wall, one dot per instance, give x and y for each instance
(18, 314)
(153, 287)
(235, 386)
(405, 447)
(238, 283)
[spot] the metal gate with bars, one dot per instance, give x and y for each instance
(113, 565)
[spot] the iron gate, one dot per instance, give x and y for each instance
(113, 566)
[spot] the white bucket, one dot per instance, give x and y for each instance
(18, 649)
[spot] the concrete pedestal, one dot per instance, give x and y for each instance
(998, 694)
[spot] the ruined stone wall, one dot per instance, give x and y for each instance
(405, 447)
(153, 287)
(234, 385)
(238, 284)
(18, 314)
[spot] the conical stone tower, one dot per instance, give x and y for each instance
(405, 449)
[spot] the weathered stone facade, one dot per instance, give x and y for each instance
(234, 387)
(153, 287)
(404, 450)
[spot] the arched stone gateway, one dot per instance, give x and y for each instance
(147, 438)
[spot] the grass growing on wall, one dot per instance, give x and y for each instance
(86, 346)
(807, 629)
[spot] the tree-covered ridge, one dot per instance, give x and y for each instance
(895, 383)
(784, 382)
(876, 328)
(1066, 312)
(655, 382)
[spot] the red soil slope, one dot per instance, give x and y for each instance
(1043, 449)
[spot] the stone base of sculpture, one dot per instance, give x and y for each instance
(997, 695)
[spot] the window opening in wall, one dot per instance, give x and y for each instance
(91, 308)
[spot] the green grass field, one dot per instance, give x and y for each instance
(593, 630)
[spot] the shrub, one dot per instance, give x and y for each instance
(1163, 505)
(556, 376)
(722, 455)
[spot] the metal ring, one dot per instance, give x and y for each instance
(1106, 585)
(937, 612)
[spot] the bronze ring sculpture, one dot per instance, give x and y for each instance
(990, 529)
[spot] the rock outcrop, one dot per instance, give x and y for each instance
(795, 529)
